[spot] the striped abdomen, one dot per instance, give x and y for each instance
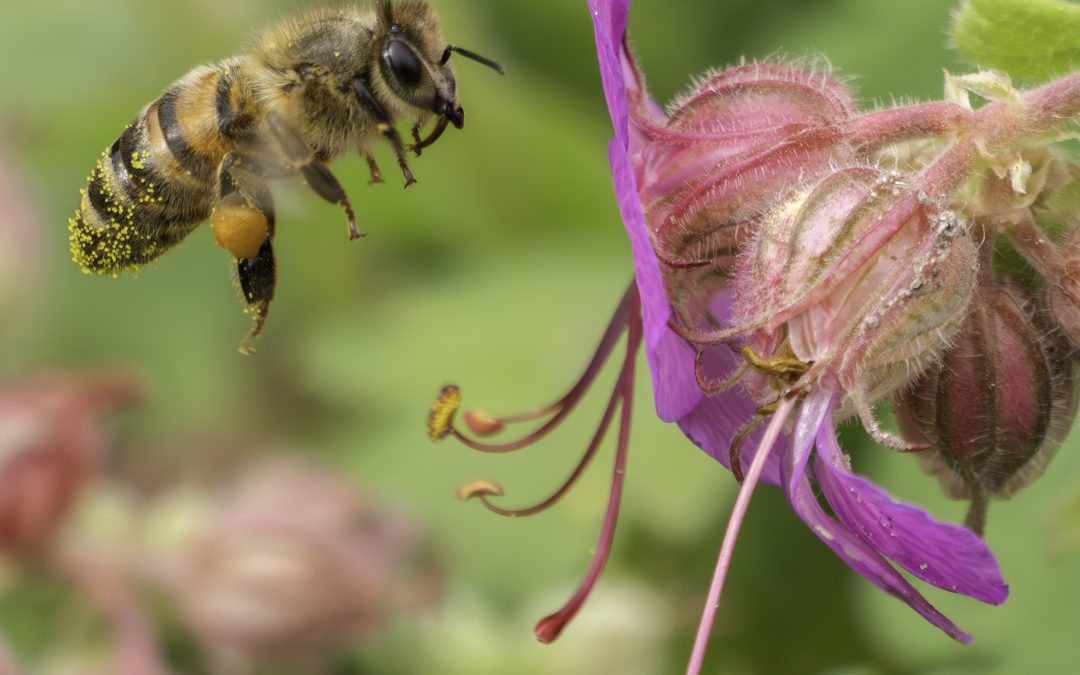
(158, 180)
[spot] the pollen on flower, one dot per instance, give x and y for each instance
(441, 417)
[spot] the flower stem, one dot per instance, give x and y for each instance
(738, 513)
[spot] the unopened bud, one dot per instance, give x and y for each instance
(731, 147)
(861, 277)
(999, 404)
(1063, 292)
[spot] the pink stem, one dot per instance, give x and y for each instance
(1054, 102)
(873, 130)
(738, 513)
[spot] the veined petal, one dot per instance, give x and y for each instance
(671, 359)
(860, 556)
(945, 555)
(609, 25)
(712, 426)
(715, 421)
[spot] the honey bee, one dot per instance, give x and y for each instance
(324, 83)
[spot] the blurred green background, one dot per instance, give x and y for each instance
(497, 271)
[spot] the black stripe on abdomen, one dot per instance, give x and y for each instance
(186, 158)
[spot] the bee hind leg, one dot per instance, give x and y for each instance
(244, 225)
(258, 277)
(318, 177)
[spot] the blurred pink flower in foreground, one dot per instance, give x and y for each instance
(294, 563)
(53, 431)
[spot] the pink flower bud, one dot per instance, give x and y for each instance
(1063, 293)
(730, 149)
(52, 433)
(295, 564)
(859, 277)
(999, 404)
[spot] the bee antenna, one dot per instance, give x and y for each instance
(471, 55)
(387, 10)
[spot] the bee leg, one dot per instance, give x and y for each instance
(385, 126)
(258, 276)
(316, 174)
(373, 167)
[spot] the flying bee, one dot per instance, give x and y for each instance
(324, 83)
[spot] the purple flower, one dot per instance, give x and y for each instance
(796, 261)
(869, 526)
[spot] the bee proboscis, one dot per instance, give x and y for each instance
(321, 84)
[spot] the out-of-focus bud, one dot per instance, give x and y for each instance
(999, 404)
(7, 659)
(730, 148)
(295, 564)
(52, 432)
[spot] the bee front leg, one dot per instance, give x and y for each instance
(316, 174)
(385, 126)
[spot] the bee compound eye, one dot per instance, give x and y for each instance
(402, 62)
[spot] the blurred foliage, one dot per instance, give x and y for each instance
(1029, 39)
(496, 271)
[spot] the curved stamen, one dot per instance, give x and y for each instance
(707, 338)
(618, 323)
(737, 441)
(738, 513)
(549, 628)
(627, 308)
(715, 386)
(482, 490)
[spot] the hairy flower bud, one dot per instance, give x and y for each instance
(1063, 292)
(730, 148)
(999, 404)
(859, 276)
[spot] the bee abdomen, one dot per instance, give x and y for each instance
(157, 182)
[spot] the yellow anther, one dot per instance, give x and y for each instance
(478, 488)
(441, 417)
(787, 367)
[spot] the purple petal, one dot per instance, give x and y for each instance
(671, 359)
(945, 555)
(609, 27)
(860, 556)
(714, 422)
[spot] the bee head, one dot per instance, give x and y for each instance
(414, 60)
